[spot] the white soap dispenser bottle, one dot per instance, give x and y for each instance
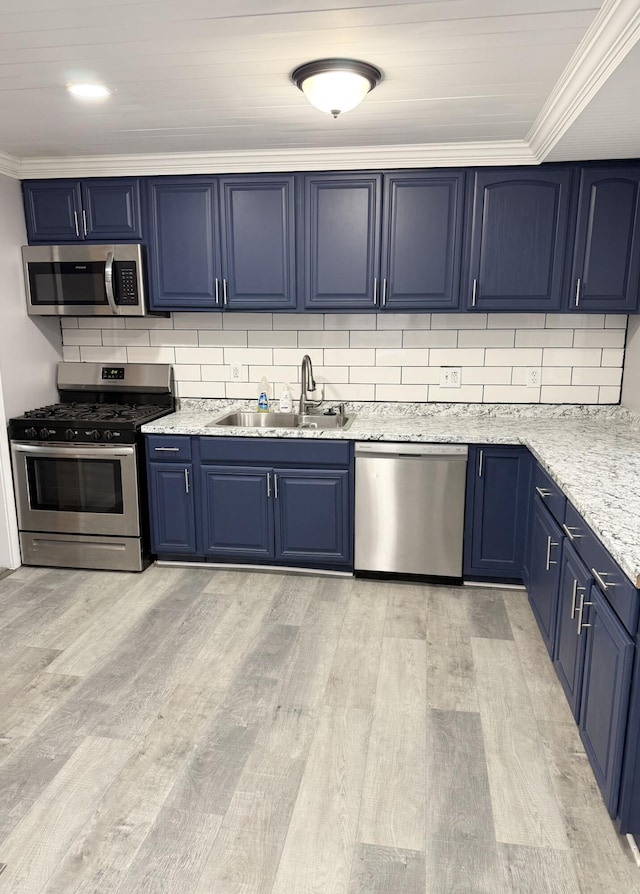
(285, 399)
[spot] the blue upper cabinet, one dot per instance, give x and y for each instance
(341, 241)
(606, 259)
(258, 242)
(422, 240)
(184, 266)
(518, 239)
(99, 210)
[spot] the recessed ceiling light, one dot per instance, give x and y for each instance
(89, 91)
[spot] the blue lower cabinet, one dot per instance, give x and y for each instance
(605, 695)
(571, 639)
(237, 514)
(498, 480)
(171, 499)
(545, 544)
(312, 516)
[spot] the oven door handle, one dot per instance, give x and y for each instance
(108, 282)
(69, 453)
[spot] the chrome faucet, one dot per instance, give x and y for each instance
(307, 383)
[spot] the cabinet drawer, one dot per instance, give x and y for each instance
(550, 494)
(280, 451)
(620, 593)
(168, 447)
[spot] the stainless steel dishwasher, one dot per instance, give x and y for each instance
(410, 508)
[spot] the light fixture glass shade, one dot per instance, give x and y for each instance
(89, 91)
(336, 85)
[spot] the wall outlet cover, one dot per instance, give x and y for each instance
(450, 376)
(533, 377)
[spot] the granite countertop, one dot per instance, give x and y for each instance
(592, 453)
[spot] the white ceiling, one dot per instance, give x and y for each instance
(204, 84)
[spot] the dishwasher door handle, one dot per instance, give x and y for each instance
(411, 451)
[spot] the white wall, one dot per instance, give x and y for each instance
(631, 377)
(29, 352)
(364, 357)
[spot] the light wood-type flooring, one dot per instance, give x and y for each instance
(200, 730)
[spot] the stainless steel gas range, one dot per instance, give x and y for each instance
(78, 466)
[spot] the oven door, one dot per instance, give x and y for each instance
(76, 490)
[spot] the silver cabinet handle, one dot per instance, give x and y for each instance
(550, 543)
(217, 292)
(581, 608)
(186, 480)
(480, 463)
(75, 222)
(268, 485)
(384, 291)
(578, 288)
(574, 595)
(275, 486)
(375, 289)
(599, 577)
(474, 293)
(84, 221)
(167, 449)
(568, 530)
(543, 492)
(224, 292)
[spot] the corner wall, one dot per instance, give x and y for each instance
(631, 376)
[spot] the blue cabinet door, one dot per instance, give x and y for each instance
(172, 511)
(183, 244)
(545, 544)
(237, 512)
(341, 241)
(498, 483)
(111, 209)
(606, 259)
(258, 242)
(53, 210)
(422, 240)
(605, 696)
(312, 516)
(518, 239)
(574, 587)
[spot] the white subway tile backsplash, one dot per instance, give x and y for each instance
(544, 338)
(390, 338)
(431, 338)
(516, 321)
(370, 356)
(350, 322)
(404, 321)
(486, 338)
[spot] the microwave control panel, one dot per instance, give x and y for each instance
(127, 283)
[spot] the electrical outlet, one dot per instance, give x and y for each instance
(450, 376)
(533, 377)
(235, 372)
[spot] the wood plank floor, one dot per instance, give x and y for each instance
(226, 732)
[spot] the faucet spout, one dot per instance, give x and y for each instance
(307, 383)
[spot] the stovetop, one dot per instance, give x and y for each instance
(85, 423)
(119, 414)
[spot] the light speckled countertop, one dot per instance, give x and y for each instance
(592, 453)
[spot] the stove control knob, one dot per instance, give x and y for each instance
(31, 433)
(70, 434)
(44, 434)
(108, 436)
(94, 433)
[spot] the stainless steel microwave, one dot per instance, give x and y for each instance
(84, 280)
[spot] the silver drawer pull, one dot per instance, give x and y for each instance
(581, 608)
(599, 577)
(543, 492)
(550, 543)
(568, 530)
(186, 480)
(573, 599)
(167, 449)
(268, 485)
(275, 486)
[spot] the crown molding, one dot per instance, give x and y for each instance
(612, 34)
(507, 152)
(9, 165)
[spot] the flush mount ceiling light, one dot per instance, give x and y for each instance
(336, 85)
(89, 91)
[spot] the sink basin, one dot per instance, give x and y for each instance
(246, 419)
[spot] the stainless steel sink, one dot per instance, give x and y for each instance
(246, 419)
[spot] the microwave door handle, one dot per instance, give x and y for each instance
(108, 282)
